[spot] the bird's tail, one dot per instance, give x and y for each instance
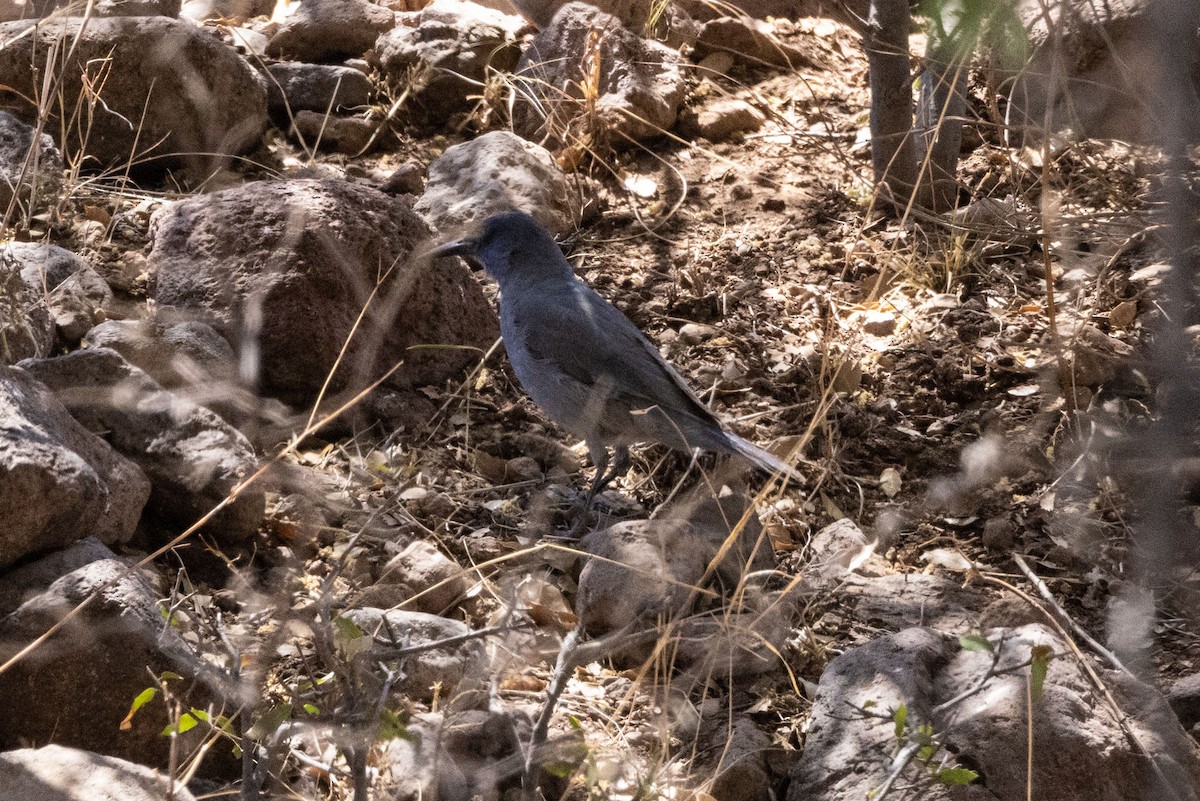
(761, 459)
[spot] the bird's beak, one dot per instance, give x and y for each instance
(459, 247)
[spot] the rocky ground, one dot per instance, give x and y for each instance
(279, 521)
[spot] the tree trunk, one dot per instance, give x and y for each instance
(892, 147)
(940, 113)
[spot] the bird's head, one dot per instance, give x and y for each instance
(507, 246)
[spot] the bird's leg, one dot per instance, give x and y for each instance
(599, 456)
(620, 465)
(605, 474)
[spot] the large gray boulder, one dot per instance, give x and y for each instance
(64, 284)
(172, 94)
(37, 9)
(639, 86)
(1096, 70)
(193, 458)
(306, 255)
(55, 773)
(976, 705)
(76, 687)
(494, 173)
(444, 53)
(30, 163)
(59, 482)
(295, 86)
(327, 30)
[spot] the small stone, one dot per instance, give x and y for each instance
(879, 323)
(721, 119)
(350, 135)
(1123, 314)
(717, 62)
(407, 179)
(999, 534)
(695, 333)
(294, 86)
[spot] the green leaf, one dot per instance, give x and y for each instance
(956, 776)
(312, 709)
(168, 674)
(393, 726)
(347, 629)
(975, 642)
(900, 718)
(1040, 656)
(269, 721)
(185, 723)
(143, 698)
(558, 769)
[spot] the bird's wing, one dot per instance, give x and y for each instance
(589, 340)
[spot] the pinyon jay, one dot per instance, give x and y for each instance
(583, 362)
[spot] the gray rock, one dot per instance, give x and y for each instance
(30, 164)
(729, 532)
(632, 13)
(350, 135)
(750, 40)
(26, 327)
(407, 179)
(497, 172)
(37, 9)
(326, 30)
(653, 570)
(179, 355)
(418, 765)
(833, 551)
(845, 754)
(193, 99)
(734, 647)
(901, 600)
(309, 253)
(58, 481)
(444, 53)
(456, 668)
(640, 570)
(100, 658)
(189, 358)
(453, 757)
(420, 578)
(203, 10)
(1184, 697)
(720, 119)
(734, 753)
(640, 86)
(74, 294)
(55, 773)
(294, 86)
(29, 581)
(193, 458)
(1088, 73)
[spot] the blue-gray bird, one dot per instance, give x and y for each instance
(583, 362)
